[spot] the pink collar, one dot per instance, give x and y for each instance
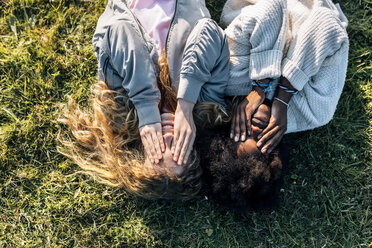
(155, 17)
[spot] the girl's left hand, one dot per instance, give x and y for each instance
(184, 131)
(274, 132)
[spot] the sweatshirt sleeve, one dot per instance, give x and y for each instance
(122, 48)
(320, 37)
(206, 52)
(256, 40)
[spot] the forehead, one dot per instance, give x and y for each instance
(168, 167)
(248, 147)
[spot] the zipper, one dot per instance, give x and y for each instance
(139, 25)
(171, 27)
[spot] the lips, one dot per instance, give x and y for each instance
(167, 124)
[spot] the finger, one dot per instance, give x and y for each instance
(276, 142)
(189, 151)
(259, 132)
(249, 121)
(156, 142)
(152, 148)
(269, 132)
(179, 145)
(175, 140)
(236, 126)
(242, 124)
(249, 113)
(266, 138)
(266, 130)
(271, 144)
(184, 149)
(232, 133)
(147, 150)
(161, 140)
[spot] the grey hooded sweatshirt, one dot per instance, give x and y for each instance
(196, 50)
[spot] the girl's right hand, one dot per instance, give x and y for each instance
(153, 142)
(241, 121)
(184, 131)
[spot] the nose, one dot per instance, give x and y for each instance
(167, 122)
(168, 138)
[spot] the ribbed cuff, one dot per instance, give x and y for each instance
(265, 64)
(292, 124)
(189, 88)
(294, 74)
(148, 113)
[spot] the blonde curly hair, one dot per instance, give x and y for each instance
(105, 142)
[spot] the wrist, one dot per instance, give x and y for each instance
(264, 84)
(184, 105)
(285, 82)
(260, 91)
(280, 103)
(283, 95)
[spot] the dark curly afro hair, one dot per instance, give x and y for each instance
(240, 183)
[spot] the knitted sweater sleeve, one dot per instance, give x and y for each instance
(316, 66)
(320, 37)
(316, 103)
(256, 40)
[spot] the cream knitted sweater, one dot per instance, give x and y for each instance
(302, 40)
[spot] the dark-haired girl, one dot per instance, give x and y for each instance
(289, 51)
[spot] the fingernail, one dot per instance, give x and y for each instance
(157, 161)
(269, 151)
(231, 135)
(259, 137)
(242, 138)
(259, 144)
(185, 161)
(236, 138)
(264, 151)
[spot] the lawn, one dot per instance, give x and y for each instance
(46, 55)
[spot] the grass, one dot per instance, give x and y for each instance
(46, 54)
